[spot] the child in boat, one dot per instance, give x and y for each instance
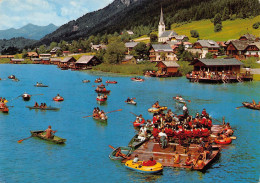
(136, 159)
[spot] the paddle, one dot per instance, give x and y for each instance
(105, 113)
(14, 98)
(36, 94)
(19, 141)
(239, 107)
(112, 147)
(133, 114)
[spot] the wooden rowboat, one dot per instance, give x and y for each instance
(85, 81)
(41, 134)
(125, 150)
(135, 142)
(4, 110)
(41, 108)
(40, 85)
(99, 119)
(131, 102)
(137, 79)
(250, 105)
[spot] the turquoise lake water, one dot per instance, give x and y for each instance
(84, 157)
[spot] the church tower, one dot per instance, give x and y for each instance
(161, 26)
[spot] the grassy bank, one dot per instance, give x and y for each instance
(256, 77)
(126, 69)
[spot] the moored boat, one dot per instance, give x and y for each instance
(144, 169)
(251, 105)
(125, 150)
(111, 82)
(43, 108)
(224, 141)
(135, 142)
(41, 134)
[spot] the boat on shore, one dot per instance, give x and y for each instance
(41, 134)
(251, 105)
(125, 150)
(43, 108)
(157, 168)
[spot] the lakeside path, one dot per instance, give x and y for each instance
(255, 71)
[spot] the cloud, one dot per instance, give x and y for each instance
(44, 12)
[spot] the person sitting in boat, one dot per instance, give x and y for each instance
(120, 154)
(36, 104)
(200, 163)
(189, 161)
(44, 105)
(136, 159)
(103, 115)
(150, 162)
(58, 96)
(41, 106)
(228, 130)
(49, 132)
(180, 98)
(128, 99)
(163, 139)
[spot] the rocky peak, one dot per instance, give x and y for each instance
(128, 2)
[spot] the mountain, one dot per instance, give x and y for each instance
(29, 31)
(125, 14)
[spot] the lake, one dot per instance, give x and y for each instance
(84, 157)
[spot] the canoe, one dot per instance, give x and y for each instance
(135, 142)
(40, 85)
(85, 81)
(138, 80)
(111, 82)
(4, 110)
(40, 108)
(41, 134)
(58, 99)
(152, 109)
(215, 154)
(224, 141)
(250, 106)
(131, 102)
(125, 150)
(26, 97)
(102, 91)
(99, 119)
(144, 169)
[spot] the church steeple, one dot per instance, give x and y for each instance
(161, 27)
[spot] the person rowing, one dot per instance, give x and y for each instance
(50, 132)
(120, 154)
(156, 105)
(36, 104)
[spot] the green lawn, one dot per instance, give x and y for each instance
(256, 77)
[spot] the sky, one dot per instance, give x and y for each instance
(18, 13)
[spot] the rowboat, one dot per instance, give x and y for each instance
(131, 102)
(11, 77)
(99, 80)
(41, 134)
(26, 97)
(162, 108)
(58, 99)
(85, 81)
(135, 142)
(137, 79)
(102, 91)
(40, 85)
(144, 169)
(125, 150)
(100, 119)
(41, 108)
(101, 98)
(111, 82)
(251, 105)
(224, 141)
(4, 110)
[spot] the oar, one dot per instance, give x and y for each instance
(133, 114)
(36, 94)
(112, 147)
(114, 111)
(19, 141)
(239, 107)
(14, 98)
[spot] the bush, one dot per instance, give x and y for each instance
(250, 62)
(217, 28)
(185, 68)
(194, 33)
(256, 25)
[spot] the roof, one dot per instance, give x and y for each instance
(219, 62)
(56, 59)
(180, 36)
(257, 44)
(240, 45)
(208, 43)
(66, 59)
(55, 49)
(32, 54)
(162, 47)
(17, 60)
(168, 33)
(85, 59)
(249, 37)
(221, 43)
(131, 44)
(170, 63)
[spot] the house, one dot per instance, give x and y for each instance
(55, 61)
(45, 55)
(163, 35)
(54, 51)
(179, 38)
(194, 51)
(67, 62)
(7, 56)
(207, 46)
(167, 68)
(86, 62)
(158, 51)
(237, 48)
(16, 61)
(36, 60)
(130, 46)
(253, 50)
(45, 61)
(247, 37)
(32, 55)
(129, 59)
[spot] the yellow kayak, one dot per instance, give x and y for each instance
(144, 169)
(162, 108)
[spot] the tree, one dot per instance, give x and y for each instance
(24, 53)
(53, 44)
(209, 55)
(163, 55)
(153, 38)
(194, 33)
(217, 23)
(256, 25)
(217, 28)
(141, 50)
(42, 49)
(115, 52)
(225, 14)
